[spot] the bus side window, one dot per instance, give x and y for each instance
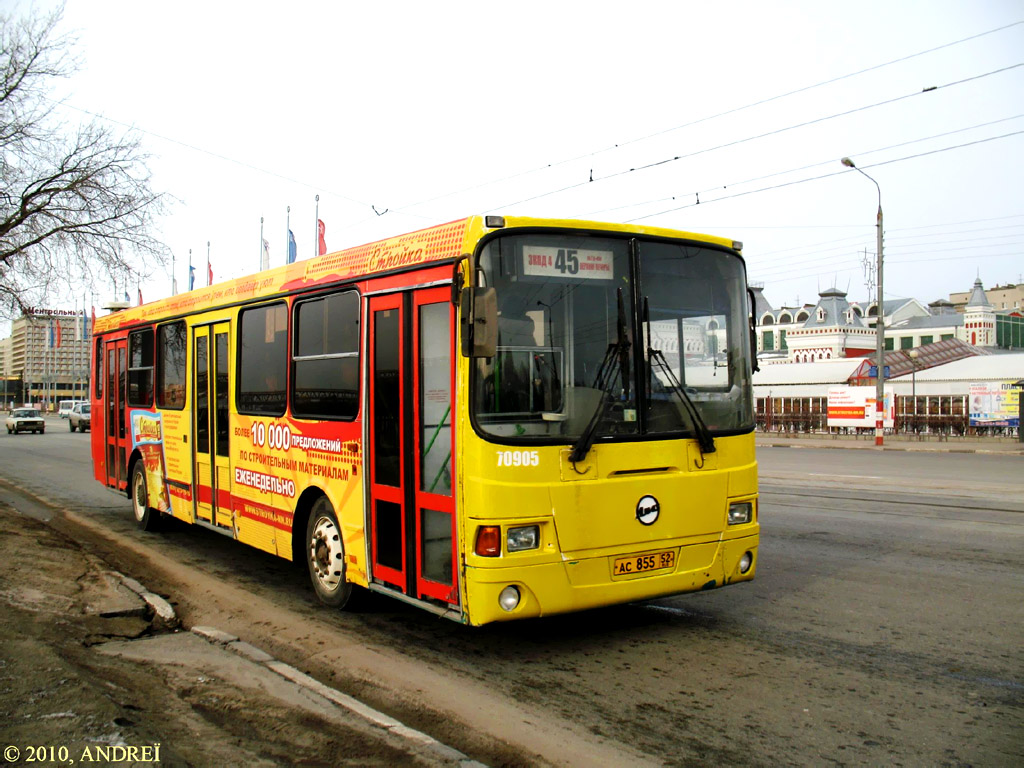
(140, 368)
(262, 360)
(170, 373)
(325, 377)
(99, 369)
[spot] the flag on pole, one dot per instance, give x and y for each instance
(127, 298)
(266, 254)
(82, 329)
(140, 296)
(209, 269)
(191, 277)
(291, 247)
(50, 345)
(321, 244)
(57, 323)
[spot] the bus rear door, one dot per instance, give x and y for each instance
(412, 510)
(115, 424)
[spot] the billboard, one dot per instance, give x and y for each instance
(994, 404)
(855, 407)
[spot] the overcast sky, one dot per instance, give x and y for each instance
(428, 112)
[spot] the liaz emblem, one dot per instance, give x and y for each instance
(647, 510)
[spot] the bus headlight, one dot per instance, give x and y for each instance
(509, 598)
(520, 539)
(741, 512)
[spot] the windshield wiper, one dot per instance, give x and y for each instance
(705, 441)
(605, 381)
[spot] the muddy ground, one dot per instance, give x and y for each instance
(68, 681)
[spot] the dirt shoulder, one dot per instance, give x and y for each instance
(86, 670)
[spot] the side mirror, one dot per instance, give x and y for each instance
(478, 315)
(754, 365)
(458, 281)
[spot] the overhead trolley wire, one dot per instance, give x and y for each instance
(708, 118)
(860, 153)
(211, 153)
(766, 134)
(827, 175)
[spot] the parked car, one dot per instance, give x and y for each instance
(80, 417)
(25, 420)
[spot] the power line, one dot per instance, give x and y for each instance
(862, 153)
(861, 224)
(708, 118)
(758, 260)
(826, 175)
(764, 135)
(210, 153)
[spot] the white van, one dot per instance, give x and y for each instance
(64, 407)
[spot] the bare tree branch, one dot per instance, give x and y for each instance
(76, 206)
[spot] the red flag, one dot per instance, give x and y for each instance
(57, 323)
(140, 297)
(322, 245)
(209, 269)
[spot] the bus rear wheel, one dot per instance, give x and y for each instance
(147, 518)
(325, 555)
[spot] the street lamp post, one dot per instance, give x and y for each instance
(880, 321)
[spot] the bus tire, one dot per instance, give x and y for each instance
(325, 555)
(147, 518)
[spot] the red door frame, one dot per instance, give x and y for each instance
(425, 499)
(412, 495)
(117, 430)
(380, 492)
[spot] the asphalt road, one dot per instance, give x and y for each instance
(883, 626)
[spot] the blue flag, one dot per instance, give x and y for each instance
(291, 247)
(191, 277)
(127, 298)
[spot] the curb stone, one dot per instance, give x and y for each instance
(378, 718)
(166, 618)
(163, 613)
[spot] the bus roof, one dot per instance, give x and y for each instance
(434, 244)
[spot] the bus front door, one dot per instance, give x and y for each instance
(211, 477)
(115, 418)
(412, 510)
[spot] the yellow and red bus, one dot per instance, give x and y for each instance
(492, 419)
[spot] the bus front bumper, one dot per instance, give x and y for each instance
(592, 582)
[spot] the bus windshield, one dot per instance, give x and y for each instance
(613, 336)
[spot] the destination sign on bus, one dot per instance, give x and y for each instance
(541, 261)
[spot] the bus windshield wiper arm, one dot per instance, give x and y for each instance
(605, 382)
(704, 438)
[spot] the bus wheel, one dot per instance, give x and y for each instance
(147, 518)
(325, 555)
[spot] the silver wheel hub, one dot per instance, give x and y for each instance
(327, 554)
(139, 500)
